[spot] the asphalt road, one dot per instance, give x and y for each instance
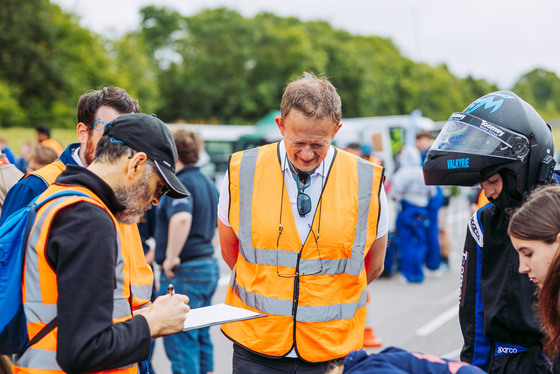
(420, 317)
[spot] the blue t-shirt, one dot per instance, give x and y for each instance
(202, 203)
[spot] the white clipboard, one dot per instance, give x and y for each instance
(217, 314)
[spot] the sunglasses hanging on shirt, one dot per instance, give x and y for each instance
(303, 180)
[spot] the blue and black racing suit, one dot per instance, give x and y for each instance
(497, 315)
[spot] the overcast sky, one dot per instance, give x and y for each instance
(498, 40)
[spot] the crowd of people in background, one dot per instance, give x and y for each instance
(33, 155)
(293, 186)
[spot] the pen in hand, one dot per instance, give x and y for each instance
(170, 289)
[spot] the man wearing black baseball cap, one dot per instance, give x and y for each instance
(79, 238)
(148, 134)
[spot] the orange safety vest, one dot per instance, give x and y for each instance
(322, 315)
(482, 200)
(40, 291)
(141, 275)
(54, 145)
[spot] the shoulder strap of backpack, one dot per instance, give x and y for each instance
(44, 331)
(34, 206)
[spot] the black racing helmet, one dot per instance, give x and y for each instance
(497, 131)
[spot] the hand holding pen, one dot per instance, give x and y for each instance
(167, 314)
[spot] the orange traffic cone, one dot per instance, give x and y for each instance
(370, 340)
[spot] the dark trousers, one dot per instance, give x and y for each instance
(246, 362)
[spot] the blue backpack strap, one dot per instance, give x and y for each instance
(34, 206)
(56, 196)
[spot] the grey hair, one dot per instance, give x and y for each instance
(314, 96)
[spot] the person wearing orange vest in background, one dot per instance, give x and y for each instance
(74, 270)
(44, 139)
(304, 227)
(95, 109)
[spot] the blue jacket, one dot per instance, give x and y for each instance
(28, 188)
(394, 360)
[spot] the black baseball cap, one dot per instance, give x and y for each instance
(148, 134)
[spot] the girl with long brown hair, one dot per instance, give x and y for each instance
(534, 229)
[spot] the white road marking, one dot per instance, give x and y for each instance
(439, 321)
(453, 355)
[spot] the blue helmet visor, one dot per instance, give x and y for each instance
(464, 133)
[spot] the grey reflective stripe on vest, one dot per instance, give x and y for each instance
(42, 359)
(39, 312)
(265, 304)
(34, 358)
(267, 256)
(279, 307)
(365, 185)
(32, 290)
(246, 179)
(35, 310)
(142, 291)
(330, 312)
(121, 307)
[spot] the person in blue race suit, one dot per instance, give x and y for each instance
(501, 142)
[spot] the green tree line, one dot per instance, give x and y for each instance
(218, 66)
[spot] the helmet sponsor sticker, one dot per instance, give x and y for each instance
(494, 130)
(493, 102)
(458, 163)
(458, 116)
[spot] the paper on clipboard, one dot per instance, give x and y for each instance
(217, 314)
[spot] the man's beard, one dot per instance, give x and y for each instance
(89, 152)
(131, 198)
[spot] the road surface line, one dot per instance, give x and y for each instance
(453, 355)
(439, 321)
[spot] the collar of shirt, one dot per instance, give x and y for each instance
(76, 157)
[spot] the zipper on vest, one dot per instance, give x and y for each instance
(296, 287)
(295, 300)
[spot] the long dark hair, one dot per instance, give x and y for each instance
(538, 218)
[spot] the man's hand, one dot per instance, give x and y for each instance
(167, 315)
(169, 264)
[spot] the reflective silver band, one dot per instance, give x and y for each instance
(246, 179)
(43, 359)
(274, 306)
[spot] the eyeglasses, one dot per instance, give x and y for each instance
(297, 274)
(161, 190)
(303, 181)
(99, 125)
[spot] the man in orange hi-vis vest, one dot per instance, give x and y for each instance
(95, 109)
(44, 139)
(76, 289)
(304, 227)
